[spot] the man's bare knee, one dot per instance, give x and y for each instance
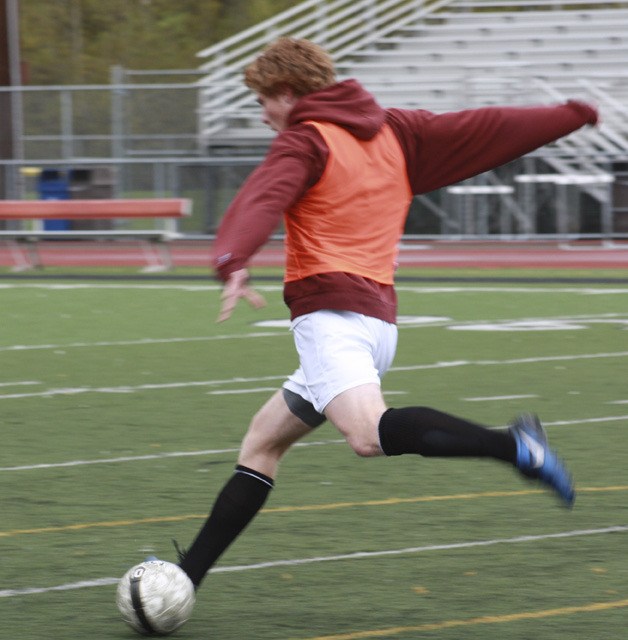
(364, 447)
(264, 439)
(271, 433)
(356, 413)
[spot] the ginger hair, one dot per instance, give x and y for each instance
(288, 63)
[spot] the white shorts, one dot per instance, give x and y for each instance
(339, 350)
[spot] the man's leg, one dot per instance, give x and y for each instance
(432, 433)
(272, 431)
(371, 429)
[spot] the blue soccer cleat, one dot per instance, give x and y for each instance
(536, 460)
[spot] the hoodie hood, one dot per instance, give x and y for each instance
(346, 104)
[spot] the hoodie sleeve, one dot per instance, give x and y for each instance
(446, 148)
(295, 162)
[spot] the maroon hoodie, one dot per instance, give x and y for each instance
(439, 149)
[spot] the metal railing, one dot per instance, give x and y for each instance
(113, 120)
(341, 26)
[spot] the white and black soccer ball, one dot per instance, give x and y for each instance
(155, 597)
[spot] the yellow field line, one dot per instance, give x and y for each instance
(470, 622)
(299, 508)
(395, 501)
(95, 525)
(417, 499)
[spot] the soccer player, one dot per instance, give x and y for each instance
(342, 172)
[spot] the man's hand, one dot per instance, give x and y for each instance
(237, 287)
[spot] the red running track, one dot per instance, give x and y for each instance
(195, 253)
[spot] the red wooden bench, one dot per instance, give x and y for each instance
(24, 241)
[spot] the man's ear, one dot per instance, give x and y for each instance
(291, 98)
(286, 94)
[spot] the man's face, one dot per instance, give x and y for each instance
(276, 109)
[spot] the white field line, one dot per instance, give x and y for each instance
(21, 383)
(86, 286)
(608, 318)
(83, 584)
(172, 286)
(359, 555)
(500, 398)
(580, 290)
(150, 456)
(531, 360)
(210, 452)
(406, 322)
(586, 291)
(413, 550)
(231, 392)
(141, 342)
(69, 391)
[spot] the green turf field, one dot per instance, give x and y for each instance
(122, 405)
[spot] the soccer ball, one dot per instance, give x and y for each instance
(155, 597)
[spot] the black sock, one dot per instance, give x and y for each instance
(429, 432)
(236, 505)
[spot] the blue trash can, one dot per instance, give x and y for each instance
(53, 185)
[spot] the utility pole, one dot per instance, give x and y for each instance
(10, 101)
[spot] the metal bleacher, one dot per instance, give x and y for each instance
(445, 55)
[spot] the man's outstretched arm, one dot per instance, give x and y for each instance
(442, 149)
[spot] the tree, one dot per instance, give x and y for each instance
(78, 41)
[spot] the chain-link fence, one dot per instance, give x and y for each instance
(121, 119)
(142, 132)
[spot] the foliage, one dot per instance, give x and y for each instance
(78, 41)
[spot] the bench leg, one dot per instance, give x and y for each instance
(158, 256)
(24, 258)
